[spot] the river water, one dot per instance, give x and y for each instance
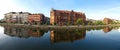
(17, 38)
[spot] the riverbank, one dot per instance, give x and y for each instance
(58, 27)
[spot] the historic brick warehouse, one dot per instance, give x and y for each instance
(107, 20)
(36, 19)
(64, 17)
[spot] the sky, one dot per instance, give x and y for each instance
(94, 9)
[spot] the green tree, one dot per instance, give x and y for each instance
(55, 23)
(98, 23)
(83, 24)
(79, 21)
(68, 23)
(89, 23)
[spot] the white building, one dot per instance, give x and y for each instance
(16, 17)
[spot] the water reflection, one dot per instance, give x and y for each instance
(51, 39)
(67, 35)
(23, 32)
(55, 35)
(107, 29)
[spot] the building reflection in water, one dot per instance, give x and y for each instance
(23, 32)
(35, 32)
(66, 35)
(107, 29)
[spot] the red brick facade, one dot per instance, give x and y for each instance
(36, 19)
(107, 20)
(63, 17)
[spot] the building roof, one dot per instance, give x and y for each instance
(17, 13)
(107, 19)
(67, 11)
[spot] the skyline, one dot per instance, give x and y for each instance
(94, 9)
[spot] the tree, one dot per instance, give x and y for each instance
(98, 23)
(68, 23)
(79, 21)
(89, 23)
(83, 24)
(55, 23)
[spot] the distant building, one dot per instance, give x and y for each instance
(64, 17)
(107, 20)
(116, 21)
(36, 19)
(47, 20)
(16, 17)
(92, 21)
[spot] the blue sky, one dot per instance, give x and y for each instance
(94, 9)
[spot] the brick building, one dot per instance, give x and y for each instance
(36, 19)
(107, 20)
(64, 17)
(16, 17)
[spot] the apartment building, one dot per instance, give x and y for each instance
(64, 17)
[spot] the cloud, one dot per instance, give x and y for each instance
(114, 9)
(112, 12)
(5, 6)
(9, 6)
(100, 14)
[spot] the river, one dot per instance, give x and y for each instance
(17, 38)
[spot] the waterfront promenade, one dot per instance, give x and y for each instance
(58, 27)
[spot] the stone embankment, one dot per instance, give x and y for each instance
(58, 27)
